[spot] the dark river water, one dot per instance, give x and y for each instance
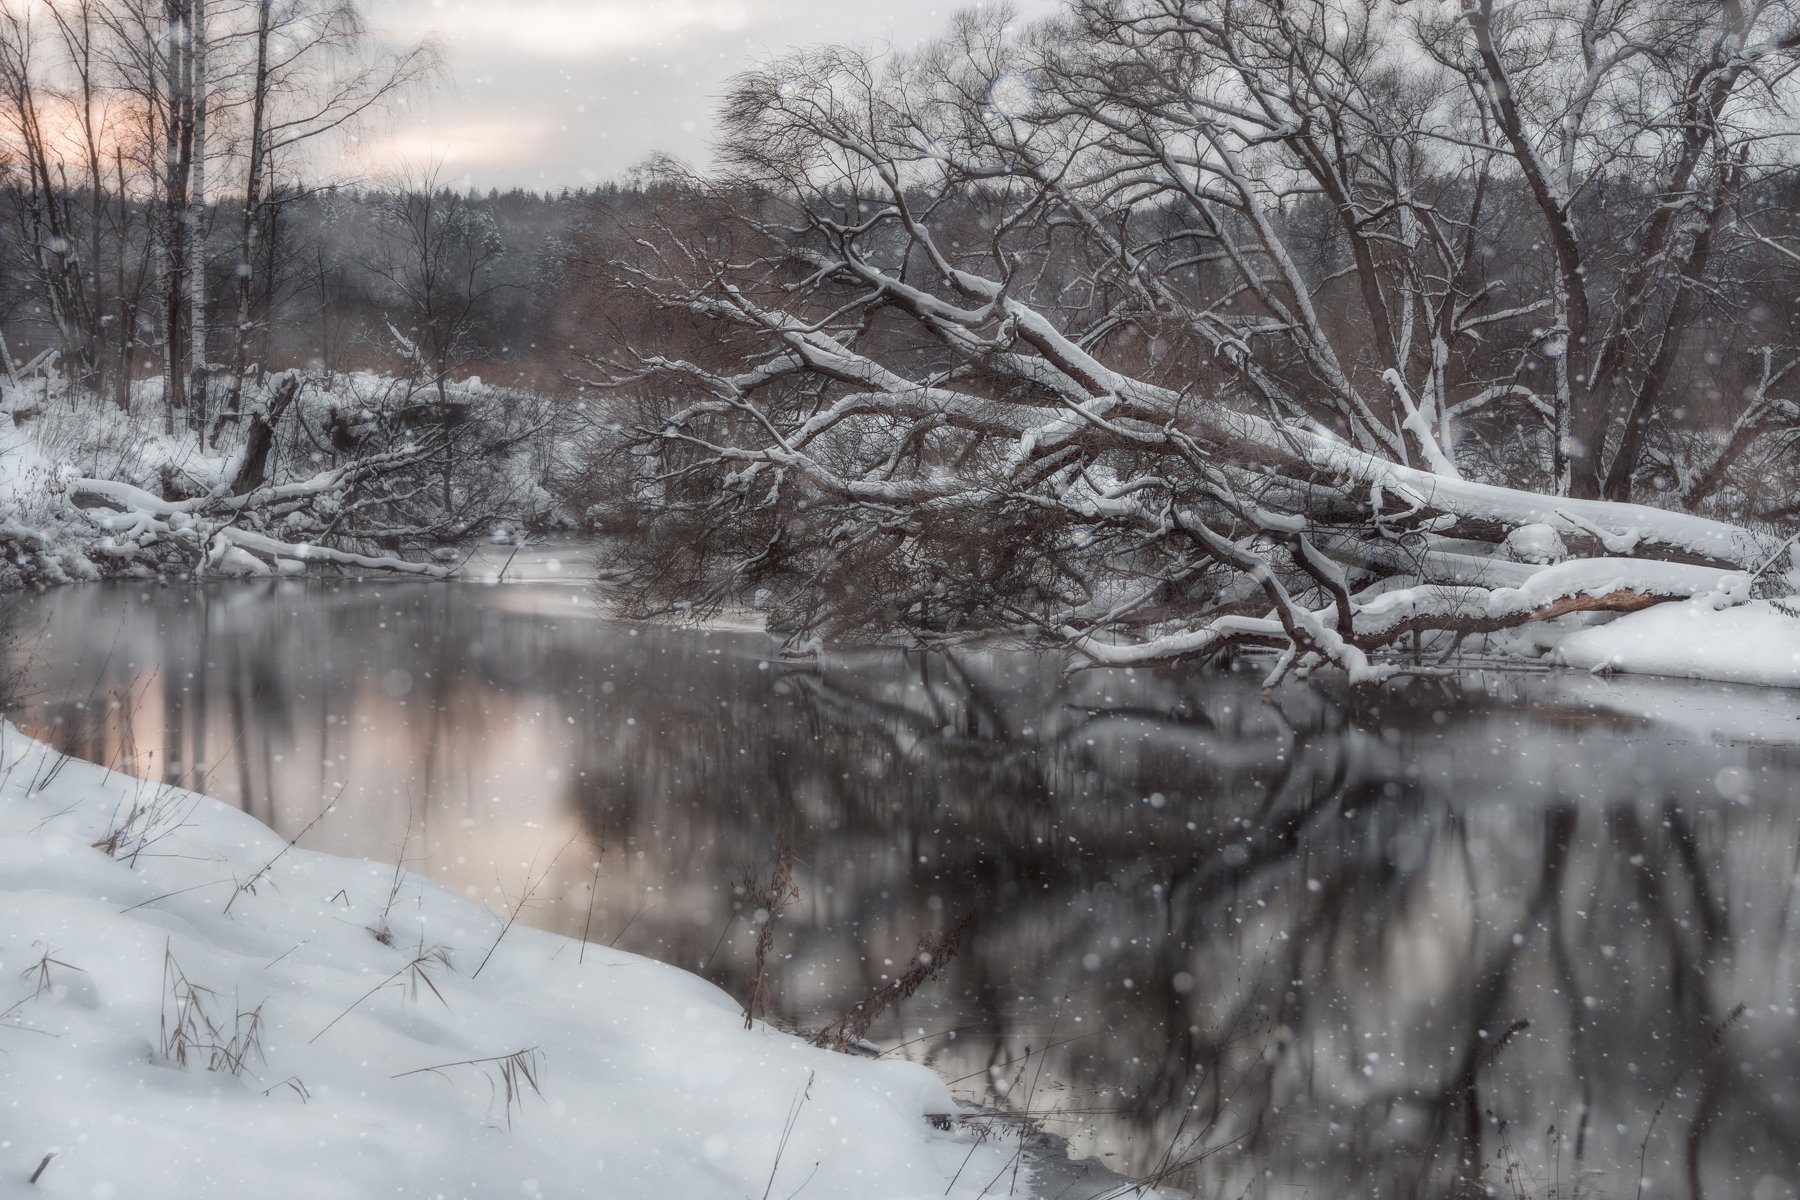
(1533, 935)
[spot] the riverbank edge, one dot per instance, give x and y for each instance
(200, 996)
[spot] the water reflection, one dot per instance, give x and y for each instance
(1518, 936)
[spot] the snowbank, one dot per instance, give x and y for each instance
(650, 1085)
(1756, 642)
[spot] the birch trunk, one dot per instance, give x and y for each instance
(196, 217)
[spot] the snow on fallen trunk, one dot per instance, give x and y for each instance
(1619, 528)
(379, 1067)
(1538, 594)
(1758, 642)
(1598, 577)
(1578, 585)
(131, 516)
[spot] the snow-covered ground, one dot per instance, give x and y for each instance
(1755, 642)
(188, 1008)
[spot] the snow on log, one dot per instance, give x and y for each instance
(1485, 508)
(132, 516)
(1579, 585)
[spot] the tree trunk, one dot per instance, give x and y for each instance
(177, 147)
(127, 311)
(247, 222)
(196, 216)
(252, 470)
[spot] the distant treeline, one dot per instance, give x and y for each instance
(349, 276)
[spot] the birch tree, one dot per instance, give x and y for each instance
(311, 74)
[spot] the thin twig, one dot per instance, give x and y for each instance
(250, 883)
(787, 1131)
(531, 887)
(593, 891)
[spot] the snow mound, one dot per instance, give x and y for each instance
(1756, 642)
(1534, 543)
(324, 1060)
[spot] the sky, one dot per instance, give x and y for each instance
(554, 93)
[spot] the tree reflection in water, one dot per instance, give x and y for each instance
(1410, 944)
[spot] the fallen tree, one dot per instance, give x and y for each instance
(1021, 334)
(207, 529)
(361, 472)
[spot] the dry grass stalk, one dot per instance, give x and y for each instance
(769, 900)
(509, 1075)
(384, 929)
(293, 1084)
(188, 1029)
(933, 957)
(593, 891)
(787, 1131)
(249, 885)
(531, 887)
(38, 973)
(417, 973)
(1714, 1042)
(143, 825)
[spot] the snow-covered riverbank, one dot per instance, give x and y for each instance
(190, 1009)
(1754, 642)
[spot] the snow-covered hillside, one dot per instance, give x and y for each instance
(190, 1009)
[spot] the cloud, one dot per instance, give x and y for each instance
(459, 146)
(550, 92)
(577, 30)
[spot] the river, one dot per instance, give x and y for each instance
(1534, 932)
